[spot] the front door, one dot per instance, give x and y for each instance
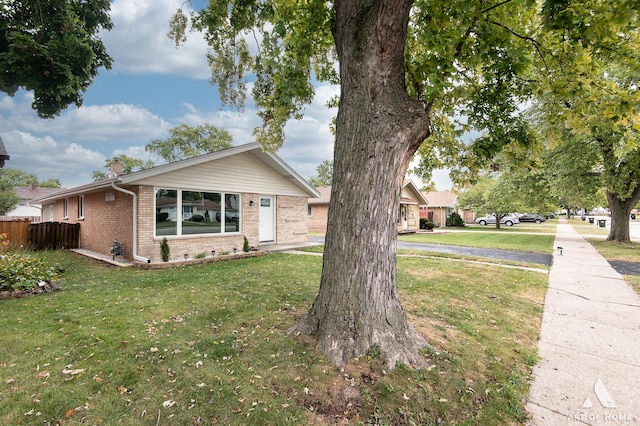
(266, 218)
(404, 216)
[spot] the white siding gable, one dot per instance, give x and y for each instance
(243, 172)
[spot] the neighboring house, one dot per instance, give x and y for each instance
(4, 156)
(26, 194)
(318, 210)
(440, 205)
(408, 220)
(210, 202)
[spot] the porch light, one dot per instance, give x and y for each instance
(235, 250)
(186, 256)
(251, 202)
(213, 253)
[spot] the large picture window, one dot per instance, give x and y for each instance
(182, 212)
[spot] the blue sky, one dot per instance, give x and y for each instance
(151, 88)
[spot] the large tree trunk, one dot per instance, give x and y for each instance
(378, 130)
(620, 212)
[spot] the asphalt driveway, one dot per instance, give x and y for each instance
(520, 256)
(624, 268)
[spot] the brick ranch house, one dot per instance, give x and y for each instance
(440, 206)
(408, 220)
(205, 203)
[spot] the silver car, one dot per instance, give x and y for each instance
(508, 220)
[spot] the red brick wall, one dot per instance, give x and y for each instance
(103, 221)
(317, 222)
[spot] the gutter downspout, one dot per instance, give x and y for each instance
(135, 222)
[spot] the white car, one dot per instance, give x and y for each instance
(508, 220)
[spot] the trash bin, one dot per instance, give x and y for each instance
(602, 223)
(633, 216)
(583, 218)
(591, 220)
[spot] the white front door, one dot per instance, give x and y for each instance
(266, 218)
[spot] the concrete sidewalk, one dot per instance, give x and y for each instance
(589, 349)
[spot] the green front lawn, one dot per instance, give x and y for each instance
(538, 243)
(205, 344)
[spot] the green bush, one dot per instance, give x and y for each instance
(426, 223)
(197, 218)
(164, 250)
(455, 219)
(246, 246)
(22, 271)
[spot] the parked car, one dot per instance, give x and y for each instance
(532, 218)
(550, 215)
(229, 216)
(508, 220)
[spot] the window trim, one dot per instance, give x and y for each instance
(179, 213)
(80, 207)
(65, 208)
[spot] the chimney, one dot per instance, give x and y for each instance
(116, 168)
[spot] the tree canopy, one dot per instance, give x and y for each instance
(188, 141)
(589, 92)
(324, 174)
(184, 142)
(51, 47)
(10, 178)
(129, 164)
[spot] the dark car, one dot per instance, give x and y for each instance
(532, 218)
(228, 216)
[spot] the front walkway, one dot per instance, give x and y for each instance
(589, 348)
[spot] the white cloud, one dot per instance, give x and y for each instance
(47, 159)
(138, 42)
(115, 123)
(109, 123)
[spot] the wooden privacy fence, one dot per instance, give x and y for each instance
(16, 231)
(54, 235)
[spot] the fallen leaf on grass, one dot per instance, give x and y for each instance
(73, 372)
(168, 403)
(69, 413)
(43, 374)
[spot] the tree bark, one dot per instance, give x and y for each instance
(378, 129)
(620, 212)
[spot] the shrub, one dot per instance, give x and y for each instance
(246, 246)
(197, 218)
(164, 250)
(455, 219)
(426, 223)
(22, 271)
(161, 217)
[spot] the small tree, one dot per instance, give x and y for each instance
(187, 141)
(129, 164)
(497, 196)
(324, 176)
(164, 250)
(455, 219)
(246, 247)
